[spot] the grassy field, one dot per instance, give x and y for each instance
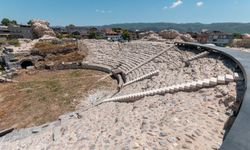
(42, 96)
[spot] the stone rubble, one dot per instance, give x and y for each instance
(41, 28)
(169, 36)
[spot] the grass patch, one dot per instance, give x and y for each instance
(13, 42)
(53, 86)
(44, 96)
(73, 56)
(50, 47)
(59, 52)
(75, 73)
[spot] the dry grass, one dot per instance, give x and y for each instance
(45, 95)
(44, 48)
(57, 53)
(70, 57)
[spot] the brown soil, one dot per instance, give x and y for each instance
(42, 96)
(49, 47)
(70, 57)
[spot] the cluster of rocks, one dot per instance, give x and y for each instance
(166, 35)
(184, 120)
(41, 28)
(241, 43)
(150, 36)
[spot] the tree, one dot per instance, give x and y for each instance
(13, 22)
(126, 35)
(93, 35)
(29, 22)
(70, 26)
(237, 36)
(5, 21)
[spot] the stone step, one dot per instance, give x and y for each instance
(200, 55)
(146, 76)
(190, 86)
(148, 60)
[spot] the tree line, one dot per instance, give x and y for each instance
(7, 21)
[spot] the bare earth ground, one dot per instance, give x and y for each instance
(42, 96)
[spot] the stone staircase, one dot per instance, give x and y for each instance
(146, 76)
(200, 55)
(190, 86)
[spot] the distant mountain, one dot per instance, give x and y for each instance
(185, 27)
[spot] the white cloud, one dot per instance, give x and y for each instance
(103, 11)
(165, 7)
(176, 3)
(199, 4)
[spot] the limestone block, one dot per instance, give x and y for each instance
(221, 79)
(199, 84)
(187, 86)
(205, 83)
(181, 87)
(171, 89)
(192, 85)
(162, 91)
(176, 88)
(229, 78)
(166, 89)
(236, 76)
(213, 81)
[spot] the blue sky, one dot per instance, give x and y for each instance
(100, 12)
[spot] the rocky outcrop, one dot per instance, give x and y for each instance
(169, 34)
(41, 28)
(150, 36)
(187, 38)
(175, 35)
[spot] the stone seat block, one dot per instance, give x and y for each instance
(192, 85)
(205, 83)
(187, 86)
(166, 90)
(229, 78)
(176, 88)
(171, 89)
(162, 91)
(221, 79)
(181, 87)
(199, 84)
(213, 81)
(236, 76)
